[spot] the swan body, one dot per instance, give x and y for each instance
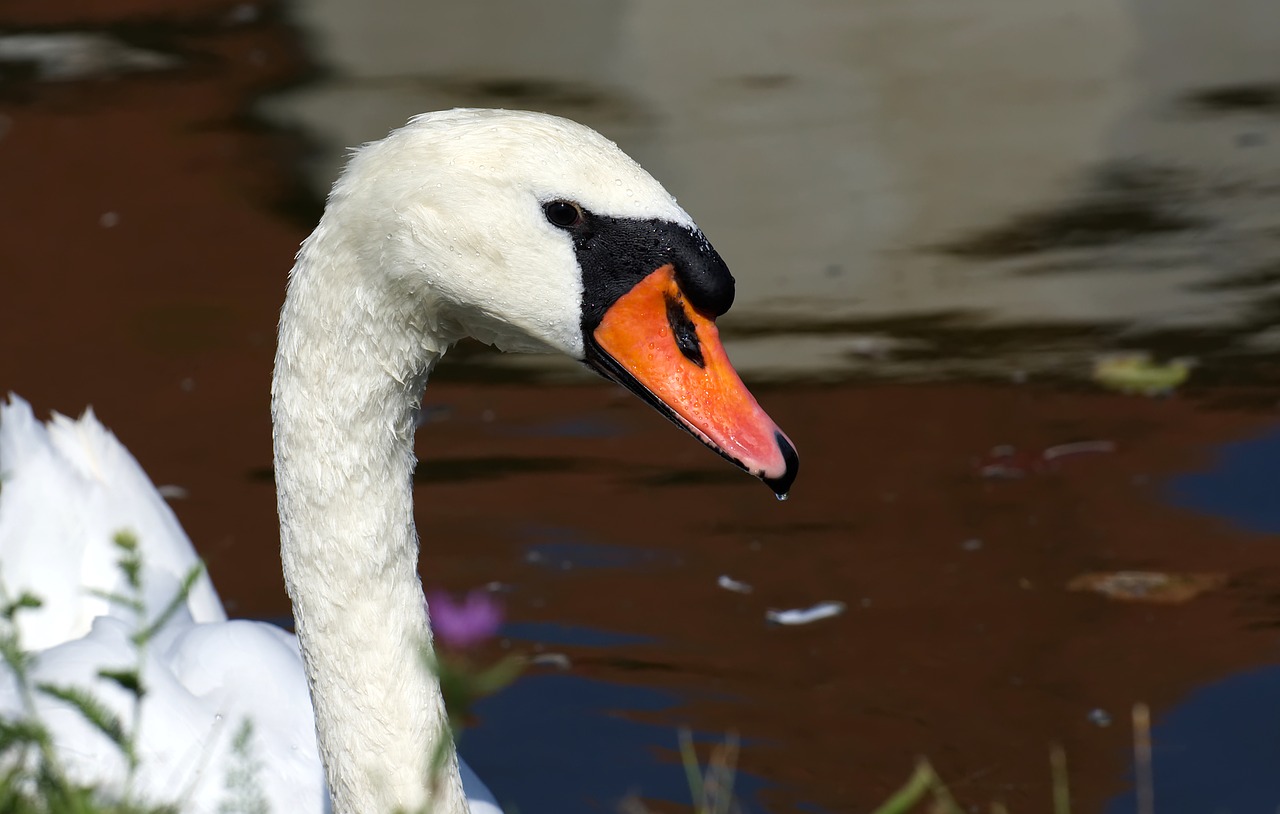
(525, 231)
(65, 489)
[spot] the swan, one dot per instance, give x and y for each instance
(66, 488)
(525, 231)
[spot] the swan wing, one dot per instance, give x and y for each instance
(66, 489)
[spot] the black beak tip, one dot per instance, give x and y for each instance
(781, 485)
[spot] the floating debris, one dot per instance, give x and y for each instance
(805, 616)
(1099, 717)
(1008, 462)
(1005, 461)
(172, 491)
(730, 584)
(1136, 373)
(558, 660)
(1148, 586)
(1076, 448)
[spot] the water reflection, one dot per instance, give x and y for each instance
(563, 549)
(540, 634)
(593, 747)
(1108, 195)
(1240, 486)
(1217, 749)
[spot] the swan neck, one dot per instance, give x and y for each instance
(348, 380)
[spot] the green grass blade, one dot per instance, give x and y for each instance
(94, 711)
(917, 787)
(176, 602)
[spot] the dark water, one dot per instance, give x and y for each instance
(143, 265)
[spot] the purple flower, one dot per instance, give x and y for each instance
(461, 626)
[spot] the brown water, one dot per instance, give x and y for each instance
(147, 223)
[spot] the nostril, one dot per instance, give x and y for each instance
(684, 331)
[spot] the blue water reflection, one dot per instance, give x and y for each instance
(567, 744)
(563, 549)
(557, 633)
(1218, 751)
(1241, 486)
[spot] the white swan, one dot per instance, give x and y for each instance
(65, 490)
(522, 230)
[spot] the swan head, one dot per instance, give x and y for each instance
(534, 233)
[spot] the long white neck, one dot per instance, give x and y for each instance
(350, 370)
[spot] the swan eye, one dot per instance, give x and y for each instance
(563, 214)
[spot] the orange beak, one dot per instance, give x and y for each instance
(672, 355)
